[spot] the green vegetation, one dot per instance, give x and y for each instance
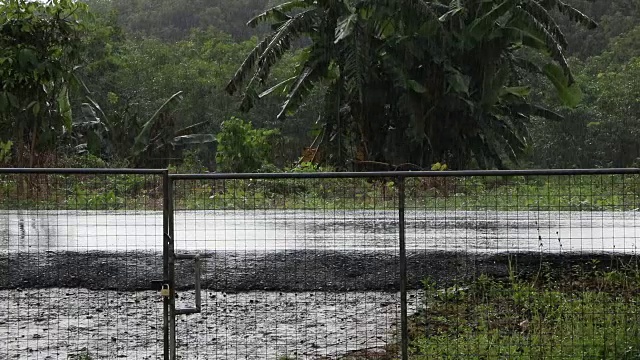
(587, 314)
(82, 355)
(461, 83)
(607, 193)
(135, 192)
(418, 82)
(40, 45)
(241, 148)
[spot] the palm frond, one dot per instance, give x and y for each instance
(569, 93)
(279, 86)
(536, 29)
(481, 26)
(191, 128)
(301, 87)
(249, 97)
(315, 67)
(247, 65)
(534, 110)
(545, 19)
(281, 41)
(345, 26)
(278, 13)
(142, 140)
(574, 14)
(266, 54)
(354, 54)
(512, 142)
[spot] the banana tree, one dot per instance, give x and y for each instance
(156, 139)
(417, 81)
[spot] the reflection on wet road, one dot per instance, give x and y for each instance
(471, 231)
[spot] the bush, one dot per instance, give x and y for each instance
(241, 148)
(5, 152)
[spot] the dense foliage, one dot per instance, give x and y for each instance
(419, 82)
(366, 82)
(40, 46)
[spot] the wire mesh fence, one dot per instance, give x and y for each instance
(498, 265)
(438, 265)
(76, 254)
(524, 267)
(290, 272)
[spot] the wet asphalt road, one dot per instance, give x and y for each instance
(331, 230)
(297, 250)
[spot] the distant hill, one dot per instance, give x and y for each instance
(172, 20)
(615, 17)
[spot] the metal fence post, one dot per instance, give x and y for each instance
(166, 239)
(171, 270)
(404, 328)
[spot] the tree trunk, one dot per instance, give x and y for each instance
(20, 160)
(32, 148)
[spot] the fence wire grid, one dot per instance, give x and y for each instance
(438, 265)
(76, 252)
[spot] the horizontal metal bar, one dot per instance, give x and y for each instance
(81, 171)
(324, 175)
(187, 311)
(406, 174)
(187, 256)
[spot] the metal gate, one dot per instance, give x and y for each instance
(78, 248)
(168, 285)
(276, 206)
(78, 238)
(316, 265)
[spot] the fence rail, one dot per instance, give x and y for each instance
(420, 265)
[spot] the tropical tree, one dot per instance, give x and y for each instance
(411, 81)
(39, 47)
(148, 142)
(604, 131)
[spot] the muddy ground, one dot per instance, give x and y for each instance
(70, 323)
(256, 305)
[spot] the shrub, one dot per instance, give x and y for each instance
(241, 148)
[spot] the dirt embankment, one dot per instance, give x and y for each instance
(277, 271)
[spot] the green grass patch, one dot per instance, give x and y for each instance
(539, 193)
(138, 192)
(583, 315)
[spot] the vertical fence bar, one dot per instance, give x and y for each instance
(165, 259)
(404, 328)
(171, 269)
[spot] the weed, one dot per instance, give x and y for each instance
(82, 355)
(478, 193)
(584, 314)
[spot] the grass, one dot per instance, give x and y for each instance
(138, 192)
(80, 192)
(584, 315)
(82, 355)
